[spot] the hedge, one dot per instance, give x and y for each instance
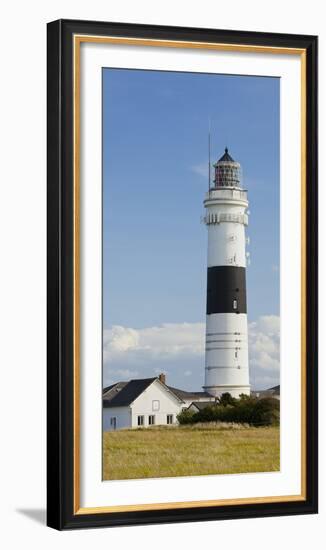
(246, 410)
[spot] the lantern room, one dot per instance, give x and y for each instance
(227, 171)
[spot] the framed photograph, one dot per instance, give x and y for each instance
(182, 274)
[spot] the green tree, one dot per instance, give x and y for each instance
(244, 397)
(226, 399)
(266, 412)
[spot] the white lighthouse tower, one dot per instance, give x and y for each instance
(226, 358)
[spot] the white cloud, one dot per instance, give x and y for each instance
(200, 169)
(125, 373)
(172, 348)
(120, 339)
(264, 351)
(178, 350)
(167, 340)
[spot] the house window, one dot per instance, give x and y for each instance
(155, 405)
(113, 422)
(151, 420)
(140, 420)
(169, 419)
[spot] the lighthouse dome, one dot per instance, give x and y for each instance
(227, 171)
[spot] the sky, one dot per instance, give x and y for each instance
(155, 175)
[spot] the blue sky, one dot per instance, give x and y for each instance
(154, 180)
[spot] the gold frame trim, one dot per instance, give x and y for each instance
(78, 40)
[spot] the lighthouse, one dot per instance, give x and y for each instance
(226, 217)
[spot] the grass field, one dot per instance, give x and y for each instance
(190, 450)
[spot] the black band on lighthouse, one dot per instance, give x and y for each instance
(226, 290)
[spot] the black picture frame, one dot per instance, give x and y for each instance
(61, 513)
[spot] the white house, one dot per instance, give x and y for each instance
(145, 402)
(150, 401)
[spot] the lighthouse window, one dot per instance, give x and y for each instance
(235, 304)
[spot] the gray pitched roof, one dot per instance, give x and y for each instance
(111, 391)
(182, 394)
(122, 394)
(202, 404)
(127, 393)
(275, 390)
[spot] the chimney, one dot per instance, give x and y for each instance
(161, 377)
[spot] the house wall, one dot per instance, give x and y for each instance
(122, 414)
(143, 405)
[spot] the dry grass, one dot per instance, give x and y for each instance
(190, 450)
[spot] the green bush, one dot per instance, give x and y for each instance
(185, 417)
(245, 410)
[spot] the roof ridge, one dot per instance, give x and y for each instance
(141, 379)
